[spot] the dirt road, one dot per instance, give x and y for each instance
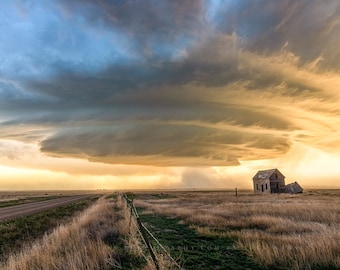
(12, 212)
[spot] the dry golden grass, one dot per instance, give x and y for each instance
(295, 231)
(99, 238)
(77, 245)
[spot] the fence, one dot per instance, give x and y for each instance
(145, 233)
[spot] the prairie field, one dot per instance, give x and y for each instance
(99, 236)
(278, 231)
(200, 229)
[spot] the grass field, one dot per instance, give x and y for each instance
(275, 231)
(201, 230)
(193, 250)
(17, 233)
(101, 237)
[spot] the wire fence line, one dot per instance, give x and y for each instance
(145, 233)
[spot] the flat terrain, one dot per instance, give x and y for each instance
(12, 212)
(279, 231)
(200, 230)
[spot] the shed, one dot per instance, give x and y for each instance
(293, 188)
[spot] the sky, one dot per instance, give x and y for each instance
(114, 94)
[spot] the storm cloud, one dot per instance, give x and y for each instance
(170, 83)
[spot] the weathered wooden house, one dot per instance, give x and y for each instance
(273, 181)
(269, 181)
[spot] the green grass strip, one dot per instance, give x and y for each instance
(196, 251)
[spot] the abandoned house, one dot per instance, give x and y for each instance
(269, 181)
(273, 181)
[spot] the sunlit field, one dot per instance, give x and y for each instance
(200, 229)
(287, 231)
(100, 236)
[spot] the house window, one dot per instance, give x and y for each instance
(257, 186)
(266, 186)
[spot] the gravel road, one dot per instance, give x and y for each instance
(12, 212)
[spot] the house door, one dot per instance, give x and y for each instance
(262, 187)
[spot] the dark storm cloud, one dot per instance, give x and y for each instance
(163, 144)
(309, 28)
(171, 82)
(153, 28)
(138, 17)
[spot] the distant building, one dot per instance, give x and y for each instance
(269, 181)
(293, 188)
(273, 181)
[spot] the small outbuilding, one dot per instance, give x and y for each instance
(273, 181)
(293, 188)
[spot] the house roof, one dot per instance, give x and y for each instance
(265, 174)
